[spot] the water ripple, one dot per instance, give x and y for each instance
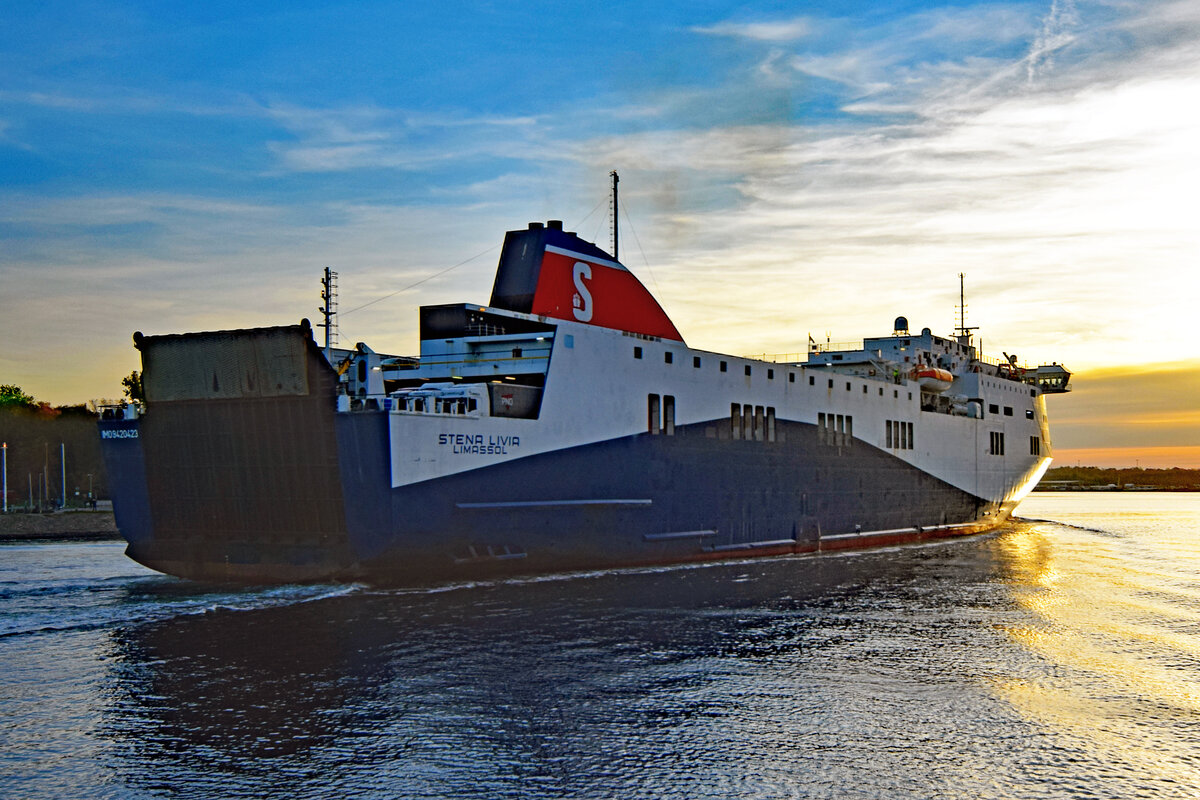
(1052, 659)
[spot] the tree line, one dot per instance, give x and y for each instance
(1174, 478)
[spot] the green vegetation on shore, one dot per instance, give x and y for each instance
(1174, 479)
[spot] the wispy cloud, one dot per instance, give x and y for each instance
(998, 23)
(778, 31)
(1058, 31)
(348, 138)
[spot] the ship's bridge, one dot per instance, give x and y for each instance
(1050, 378)
(901, 348)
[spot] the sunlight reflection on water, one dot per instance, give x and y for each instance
(1113, 595)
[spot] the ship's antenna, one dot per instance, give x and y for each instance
(962, 304)
(964, 333)
(329, 311)
(615, 253)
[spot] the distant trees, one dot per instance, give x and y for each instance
(1174, 478)
(13, 397)
(133, 386)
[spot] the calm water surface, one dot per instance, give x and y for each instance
(1051, 659)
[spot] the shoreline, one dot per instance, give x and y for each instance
(62, 525)
(1141, 489)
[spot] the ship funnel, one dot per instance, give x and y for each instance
(553, 273)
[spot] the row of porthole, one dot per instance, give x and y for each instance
(697, 362)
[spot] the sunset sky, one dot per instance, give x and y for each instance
(786, 169)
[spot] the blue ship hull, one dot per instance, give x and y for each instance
(633, 501)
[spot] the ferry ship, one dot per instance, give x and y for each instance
(565, 425)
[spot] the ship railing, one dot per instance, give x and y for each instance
(778, 358)
(813, 349)
(413, 403)
(816, 348)
(1002, 368)
(122, 411)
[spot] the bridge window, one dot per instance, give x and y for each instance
(637, 352)
(669, 357)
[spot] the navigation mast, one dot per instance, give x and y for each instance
(328, 311)
(615, 254)
(964, 333)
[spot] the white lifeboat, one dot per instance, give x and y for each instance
(933, 379)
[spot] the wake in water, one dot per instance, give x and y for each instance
(59, 587)
(1066, 525)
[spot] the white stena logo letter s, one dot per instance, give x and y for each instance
(582, 301)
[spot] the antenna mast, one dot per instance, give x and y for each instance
(964, 333)
(329, 311)
(615, 253)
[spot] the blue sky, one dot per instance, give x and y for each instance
(787, 168)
